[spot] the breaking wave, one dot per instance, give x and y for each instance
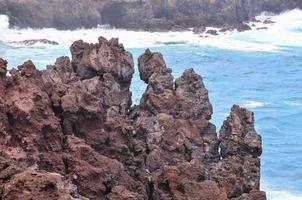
(285, 32)
(254, 104)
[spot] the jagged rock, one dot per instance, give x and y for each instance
(192, 97)
(268, 21)
(87, 167)
(237, 175)
(104, 57)
(238, 135)
(69, 132)
(225, 29)
(212, 32)
(175, 119)
(239, 170)
(3, 109)
(150, 63)
(185, 181)
(199, 30)
(35, 41)
(262, 28)
(32, 123)
(3, 68)
(244, 27)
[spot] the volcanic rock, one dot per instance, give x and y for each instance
(33, 185)
(149, 63)
(268, 21)
(199, 30)
(35, 41)
(238, 135)
(212, 32)
(244, 27)
(70, 132)
(262, 28)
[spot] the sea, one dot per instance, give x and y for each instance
(257, 69)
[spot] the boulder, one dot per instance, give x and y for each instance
(212, 32)
(244, 27)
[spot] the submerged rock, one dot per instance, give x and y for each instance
(244, 27)
(212, 32)
(262, 28)
(268, 21)
(199, 30)
(70, 132)
(36, 41)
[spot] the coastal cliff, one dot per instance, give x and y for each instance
(152, 15)
(71, 132)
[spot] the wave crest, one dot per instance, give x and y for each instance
(4, 22)
(254, 104)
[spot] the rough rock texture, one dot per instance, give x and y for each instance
(70, 132)
(154, 15)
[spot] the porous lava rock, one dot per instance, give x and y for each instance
(71, 132)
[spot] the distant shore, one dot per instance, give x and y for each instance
(145, 15)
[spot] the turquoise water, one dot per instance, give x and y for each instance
(267, 81)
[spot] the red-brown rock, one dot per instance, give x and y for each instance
(69, 132)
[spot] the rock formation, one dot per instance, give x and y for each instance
(152, 15)
(34, 41)
(71, 132)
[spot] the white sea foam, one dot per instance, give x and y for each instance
(254, 104)
(279, 34)
(4, 22)
(272, 194)
(282, 195)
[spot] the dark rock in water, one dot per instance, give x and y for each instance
(172, 43)
(244, 27)
(212, 32)
(35, 41)
(70, 132)
(223, 30)
(268, 21)
(255, 20)
(262, 28)
(199, 30)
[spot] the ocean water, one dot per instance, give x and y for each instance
(260, 70)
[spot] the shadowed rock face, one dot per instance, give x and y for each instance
(154, 15)
(69, 132)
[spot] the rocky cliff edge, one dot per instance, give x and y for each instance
(70, 132)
